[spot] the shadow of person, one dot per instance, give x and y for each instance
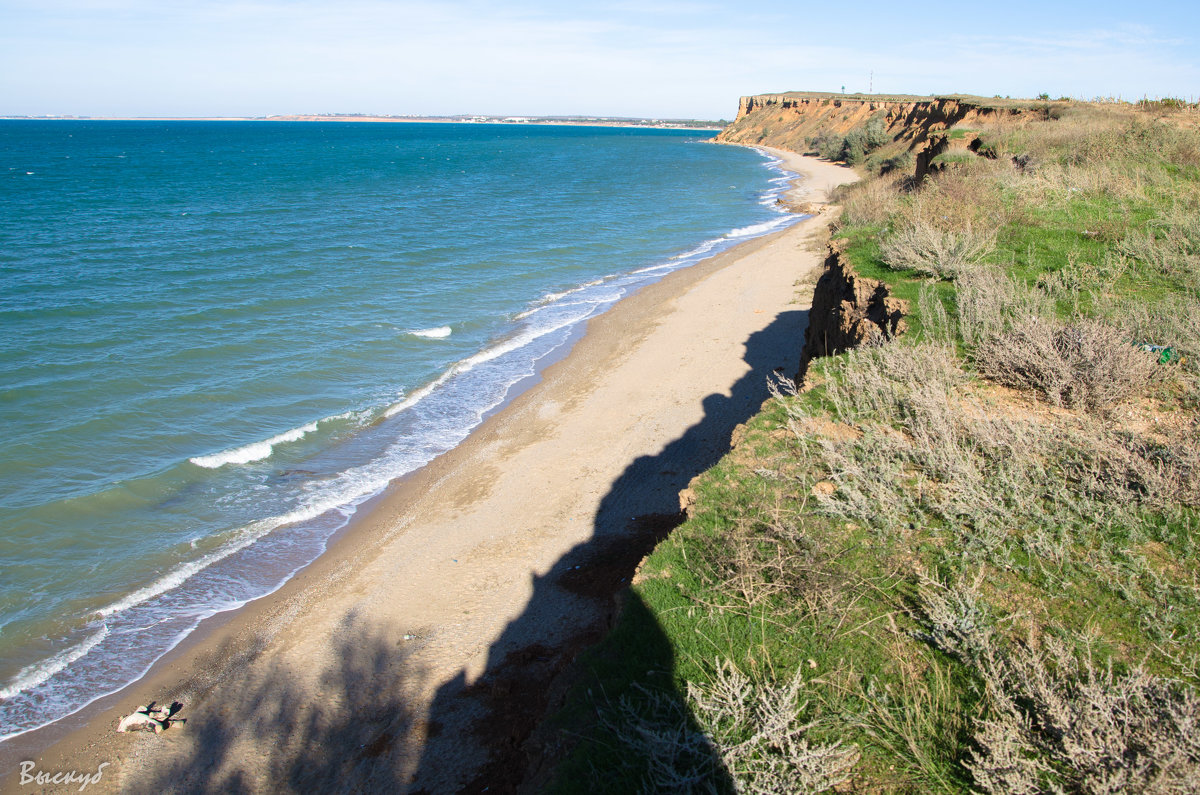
(529, 665)
(272, 736)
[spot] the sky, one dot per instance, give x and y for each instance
(652, 59)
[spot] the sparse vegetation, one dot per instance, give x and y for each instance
(854, 146)
(921, 247)
(1089, 365)
(967, 560)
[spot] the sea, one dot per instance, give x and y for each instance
(218, 339)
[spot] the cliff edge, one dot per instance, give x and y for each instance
(911, 130)
(848, 310)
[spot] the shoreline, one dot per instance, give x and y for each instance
(455, 533)
(631, 280)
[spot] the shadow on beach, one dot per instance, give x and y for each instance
(270, 737)
(362, 735)
(523, 681)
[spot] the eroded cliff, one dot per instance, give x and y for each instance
(919, 126)
(900, 131)
(785, 120)
(848, 311)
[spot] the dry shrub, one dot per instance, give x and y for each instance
(1170, 253)
(1185, 151)
(875, 383)
(1024, 355)
(989, 300)
(869, 477)
(935, 322)
(1058, 723)
(972, 473)
(1097, 152)
(1088, 364)
(1094, 152)
(1079, 278)
(1017, 341)
(937, 231)
(759, 562)
(1119, 466)
(752, 729)
(1177, 144)
(1171, 245)
(1173, 321)
(1084, 136)
(759, 733)
(870, 202)
(963, 198)
(654, 728)
(956, 618)
(1055, 181)
(927, 452)
(922, 247)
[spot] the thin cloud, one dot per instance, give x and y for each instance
(679, 59)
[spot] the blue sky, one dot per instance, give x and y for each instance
(657, 58)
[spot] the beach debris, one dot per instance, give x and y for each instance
(1164, 353)
(151, 718)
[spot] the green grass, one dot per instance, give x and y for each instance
(939, 560)
(708, 594)
(862, 250)
(765, 577)
(953, 158)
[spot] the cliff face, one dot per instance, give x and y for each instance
(848, 311)
(785, 118)
(916, 124)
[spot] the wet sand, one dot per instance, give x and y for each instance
(422, 648)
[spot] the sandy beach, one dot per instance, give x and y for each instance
(420, 650)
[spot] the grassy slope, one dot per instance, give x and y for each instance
(911, 577)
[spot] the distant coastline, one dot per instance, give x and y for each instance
(581, 121)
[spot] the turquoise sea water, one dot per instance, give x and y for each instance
(218, 338)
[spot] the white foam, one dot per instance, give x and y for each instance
(486, 355)
(593, 300)
(352, 486)
(33, 675)
(550, 298)
(662, 266)
(246, 536)
(755, 230)
(180, 574)
(679, 259)
(441, 332)
(703, 248)
(415, 397)
(256, 451)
